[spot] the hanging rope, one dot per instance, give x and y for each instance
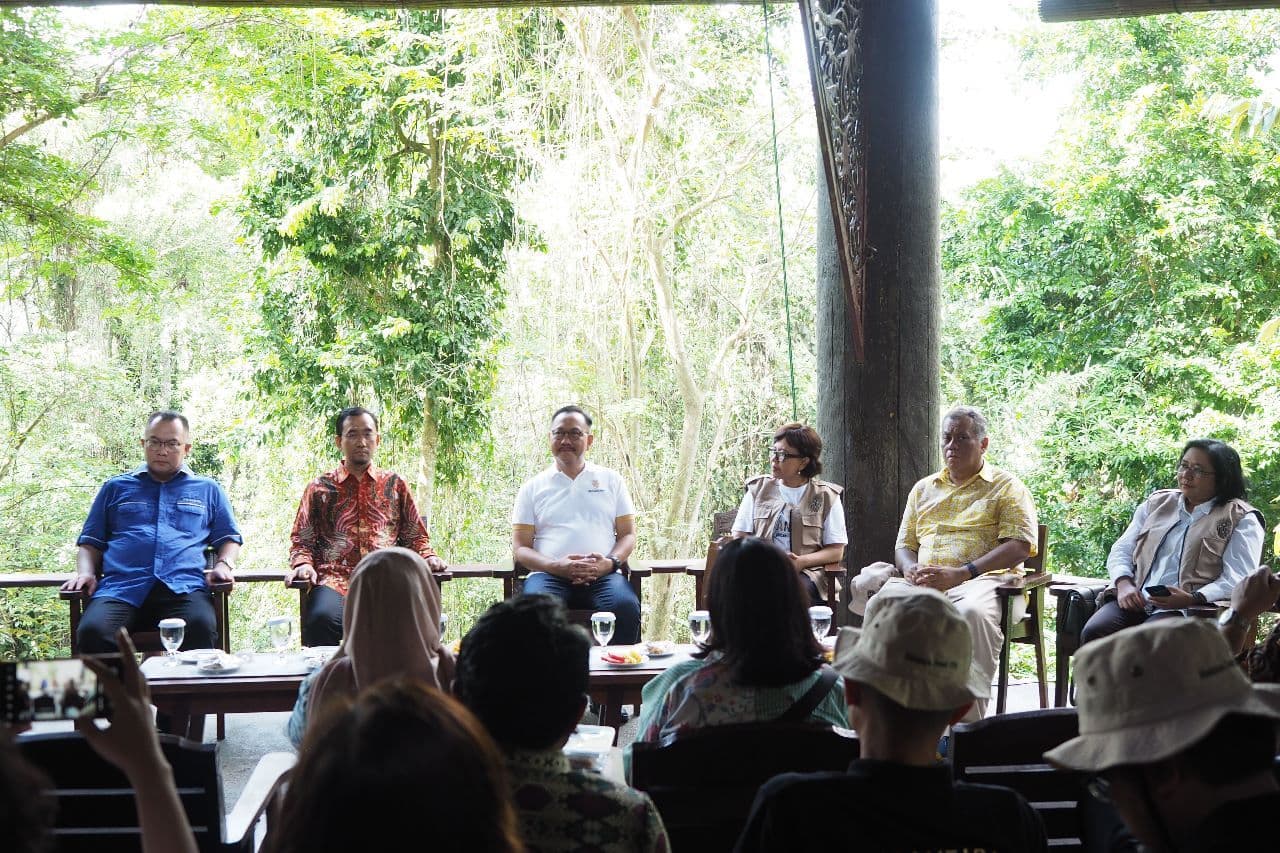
(782, 236)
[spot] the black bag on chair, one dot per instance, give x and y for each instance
(1081, 603)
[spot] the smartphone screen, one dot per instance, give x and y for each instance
(1158, 589)
(32, 691)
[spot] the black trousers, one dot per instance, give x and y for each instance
(1111, 617)
(323, 626)
(102, 616)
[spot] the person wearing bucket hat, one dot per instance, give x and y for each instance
(908, 674)
(1177, 738)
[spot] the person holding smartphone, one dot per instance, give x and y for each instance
(1185, 547)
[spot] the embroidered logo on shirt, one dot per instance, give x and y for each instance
(815, 504)
(1224, 528)
(595, 487)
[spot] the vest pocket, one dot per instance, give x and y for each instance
(1212, 548)
(810, 530)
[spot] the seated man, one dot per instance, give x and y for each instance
(907, 676)
(965, 531)
(523, 671)
(574, 526)
(146, 534)
(1181, 743)
(343, 516)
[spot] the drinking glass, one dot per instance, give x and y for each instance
(820, 621)
(700, 626)
(171, 633)
(602, 625)
(444, 624)
(280, 630)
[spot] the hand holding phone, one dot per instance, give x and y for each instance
(1159, 590)
(66, 689)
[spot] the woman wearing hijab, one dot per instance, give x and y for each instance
(392, 628)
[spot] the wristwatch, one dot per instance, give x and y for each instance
(616, 562)
(972, 569)
(223, 562)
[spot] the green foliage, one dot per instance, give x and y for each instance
(1104, 303)
(391, 188)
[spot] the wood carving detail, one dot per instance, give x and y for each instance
(833, 34)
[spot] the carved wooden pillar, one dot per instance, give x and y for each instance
(874, 65)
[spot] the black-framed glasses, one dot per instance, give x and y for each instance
(1099, 788)
(1194, 471)
(779, 455)
(575, 434)
(156, 444)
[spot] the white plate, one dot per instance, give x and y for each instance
(318, 651)
(193, 655)
(225, 663)
(660, 648)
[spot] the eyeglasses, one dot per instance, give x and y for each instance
(779, 455)
(1194, 471)
(156, 444)
(1099, 788)
(574, 434)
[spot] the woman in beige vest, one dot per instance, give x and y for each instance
(1186, 547)
(795, 510)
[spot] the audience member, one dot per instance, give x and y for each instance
(573, 526)
(761, 661)
(1185, 547)
(965, 532)
(393, 628)
(1180, 742)
(400, 767)
(345, 514)
(146, 535)
(795, 510)
(523, 671)
(908, 674)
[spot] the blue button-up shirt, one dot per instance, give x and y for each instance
(149, 531)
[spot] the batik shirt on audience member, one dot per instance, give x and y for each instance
(566, 810)
(341, 518)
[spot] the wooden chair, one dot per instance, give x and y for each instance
(704, 781)
(96, 810)
(1030, 629)
(1066, 642)
(721, 533)
(149, 641)
(1009, 750)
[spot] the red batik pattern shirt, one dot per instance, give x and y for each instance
(343, 516)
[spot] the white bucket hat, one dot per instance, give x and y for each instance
(1151, 691)
(915, 648)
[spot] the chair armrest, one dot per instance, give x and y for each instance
(473, 570)
(265, 784)
(73, 594)
(669, 567)
(1025, 583)
(696, 571)
(834, 570)
(220, 586)
(301, 583)
(639, 571)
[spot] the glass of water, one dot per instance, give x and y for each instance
(280, 630)
(820, 621)
(602, 625)
(700, 626)
(171, 633)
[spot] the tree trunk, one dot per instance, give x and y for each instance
(425, 487)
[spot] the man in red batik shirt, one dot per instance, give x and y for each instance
(344, 515)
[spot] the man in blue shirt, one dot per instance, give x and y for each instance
(141, 551)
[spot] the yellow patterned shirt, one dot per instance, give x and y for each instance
(949, 525)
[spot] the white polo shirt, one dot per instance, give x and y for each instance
(572, 516)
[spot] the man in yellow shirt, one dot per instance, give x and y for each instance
(965, 531)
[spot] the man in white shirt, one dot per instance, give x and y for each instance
(573, 527)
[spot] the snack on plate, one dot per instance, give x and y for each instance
(660, 647)
(629, 657)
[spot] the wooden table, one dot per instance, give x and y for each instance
(186, 695)
(612, 687)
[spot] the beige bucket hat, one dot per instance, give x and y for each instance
(1149, 692)
(915, 648)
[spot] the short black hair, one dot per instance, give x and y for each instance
(523, 671)
(575, 409)
(1228, 474)
(807, 442)
(352, 412)
(167, 415)
(760, 616)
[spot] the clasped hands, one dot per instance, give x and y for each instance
(583, 569)
(941, 578)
